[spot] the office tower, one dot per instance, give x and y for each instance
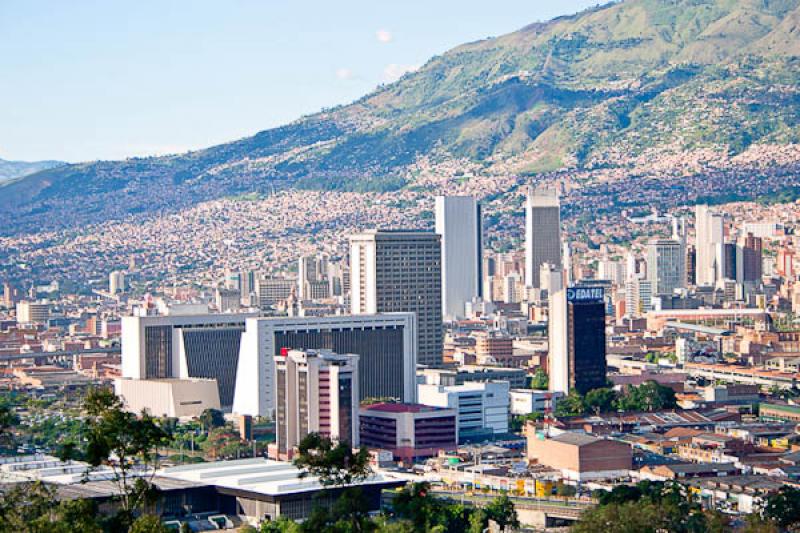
(386, 345)
(730, 260)
(227, 300)
(785, 262)
(691, 265)
(401, 271)
(312, 278)
(199, 345)
(33, 312)
(270, 291)
(551, 278)
(116, 282)
(315, 392)
(458, 222)
(665, 266)
(577, 338)
(748, 259)
(247, 287)
(709, 246)
(542, 233)
(10, 295)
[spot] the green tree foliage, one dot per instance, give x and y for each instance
(212, 418)
(517, 422)
(650, 507)
(600, 400)
(123, 442)
(33, 508)
(334, 464)
(8, 421)
(501, 510)
(148, 524)
(783, 508)
(540, 380)
(649, 396)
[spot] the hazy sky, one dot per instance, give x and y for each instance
(83, 80)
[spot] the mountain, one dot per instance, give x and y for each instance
(10, 170)
(638, 86)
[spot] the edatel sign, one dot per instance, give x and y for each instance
(584, 294)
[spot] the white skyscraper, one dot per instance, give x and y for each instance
(542, 233)
(458, 221)
(116, 282)
(709, 246)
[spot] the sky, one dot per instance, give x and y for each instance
(82, 80)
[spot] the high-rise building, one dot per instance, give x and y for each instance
(458, 221)
(386, 345)
(227, 300)
(709, 246)
(401, 271)
(312, 277)
(10, 295)
(116, 282)
(184, 346)
(749, 259)
(33, 312)
(273, 290)
(577, 340)
(542, 234)
(665, 266)
(247, 286)
(784, 264)
(316, 391)
(691, 265)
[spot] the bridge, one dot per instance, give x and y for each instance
(61, 354)
(538, 512)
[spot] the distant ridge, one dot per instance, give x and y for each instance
(628, 84)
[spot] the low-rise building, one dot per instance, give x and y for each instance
(412, 432)
(482, 408)
(578, 456)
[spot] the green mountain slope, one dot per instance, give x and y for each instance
(622, 85)
(10, 170)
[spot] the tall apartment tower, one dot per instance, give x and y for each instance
(577, 340)
(312, 277)
(709, 246)
(748, 259)
(542, 233)
(116, 282)
(315, 392)
(400, 271)
(666, 266)
(458, 221)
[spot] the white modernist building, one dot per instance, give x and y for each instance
(709, 246)
(385, 343)
(175, 398)
(191, 345)
(480, 406)
(458, 221)
(542, 234)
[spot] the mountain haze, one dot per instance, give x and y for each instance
(10, 170)
(624, 86)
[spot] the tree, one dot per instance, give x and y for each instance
(564, 490)
(649, 396)
(333, 464)
(8, 421)
(148, 524)
(211, 418)
(571, 405)
(600, 400)
(127, 445)
(502, 511)
(518, 421)
(783, 507)
(33, 508)
(540, 380)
